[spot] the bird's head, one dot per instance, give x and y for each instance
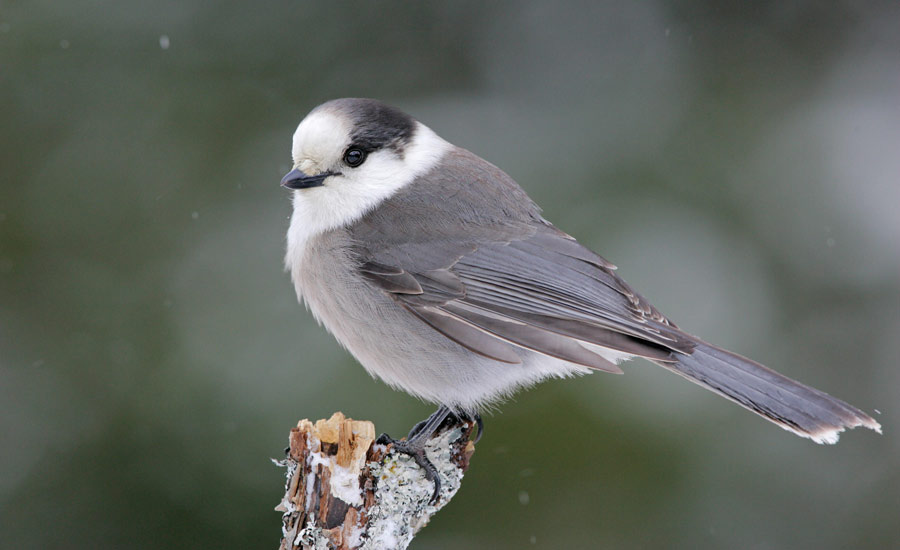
(350, 154)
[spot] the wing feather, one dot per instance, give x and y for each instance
(543, 292)
(466, 335)
(531, 337)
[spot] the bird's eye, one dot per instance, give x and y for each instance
(354, 157)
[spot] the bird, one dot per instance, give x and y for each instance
(438, 273)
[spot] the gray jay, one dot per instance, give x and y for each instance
(438, 273)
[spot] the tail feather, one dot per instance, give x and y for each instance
(796, 407)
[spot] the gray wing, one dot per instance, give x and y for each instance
(544, 292)
(538, 290)
(465, 250)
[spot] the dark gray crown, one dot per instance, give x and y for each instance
(375, 124)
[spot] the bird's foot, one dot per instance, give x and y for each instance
(415, 449)
(414, 444)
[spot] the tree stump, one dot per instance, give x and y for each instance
(344, 491)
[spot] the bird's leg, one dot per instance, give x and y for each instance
(414, 445)
(453, 419)
(418, 428)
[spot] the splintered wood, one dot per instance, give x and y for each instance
(344, 492)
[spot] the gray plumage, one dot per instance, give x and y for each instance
(454, 288)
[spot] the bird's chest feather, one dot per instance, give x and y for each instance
(326, 278)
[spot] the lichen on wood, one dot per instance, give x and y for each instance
(344, 491)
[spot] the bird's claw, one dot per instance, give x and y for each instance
(414, 444)
(415, 449)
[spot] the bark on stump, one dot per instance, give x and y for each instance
(346, 492)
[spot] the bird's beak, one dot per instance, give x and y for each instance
(295, 179)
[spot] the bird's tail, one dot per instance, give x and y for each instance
(805, 411)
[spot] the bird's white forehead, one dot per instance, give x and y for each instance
(319, 140)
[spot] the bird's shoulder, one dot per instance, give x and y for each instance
(462, 197)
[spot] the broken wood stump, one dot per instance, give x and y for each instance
(344, 491)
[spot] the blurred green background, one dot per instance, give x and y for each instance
(739, 162)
